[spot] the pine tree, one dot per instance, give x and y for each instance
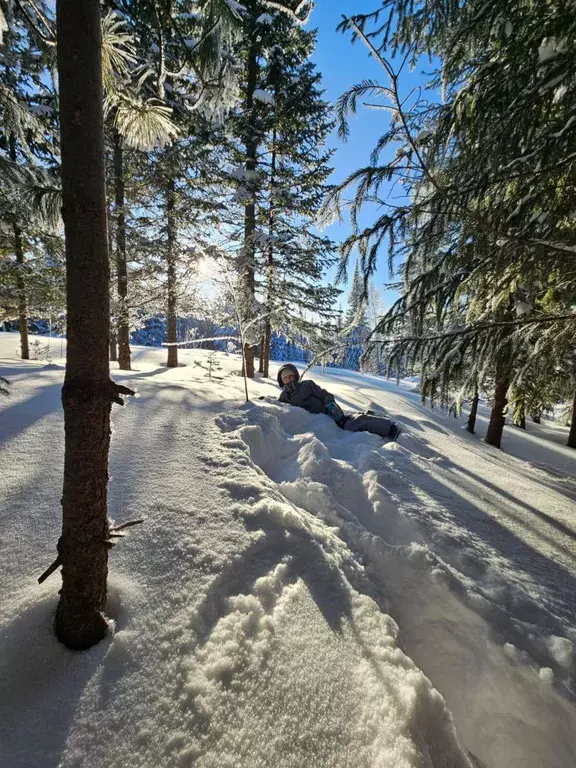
(27, 150)
(485, 194)
(184, 81)
(356, 330)
(88, 392)
(251, 128)
(295, 255)
(373, 359)
(356, 311)
(281, 171)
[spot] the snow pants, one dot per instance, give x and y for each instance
(363, 422)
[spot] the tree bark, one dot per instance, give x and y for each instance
(22, 294)
(171, 316)
(266, 349)
(471, 424)
(113, 348)
(121, 266)
(87, 393)
(20, 279)
(260, 356)
(248, 367)
(270, 262)
(572, 434)
(247, 263)
(498, 414)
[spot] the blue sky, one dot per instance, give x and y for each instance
(343, 65)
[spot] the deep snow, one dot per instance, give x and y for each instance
(298, 595)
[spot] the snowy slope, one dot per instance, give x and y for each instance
(298, 595)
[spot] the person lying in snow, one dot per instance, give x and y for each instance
(308, 395)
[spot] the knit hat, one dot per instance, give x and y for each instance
(287, 367)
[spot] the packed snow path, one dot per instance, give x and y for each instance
(290, 583)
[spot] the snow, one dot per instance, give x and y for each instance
(559, 94)
(550, 48)
(267, 97)
(236, 8)
(522, 308)
(3, 25)
(297, 595)
(194, 16)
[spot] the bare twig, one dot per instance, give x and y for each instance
(129, 524)
(113, 532)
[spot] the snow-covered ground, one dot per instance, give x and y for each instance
(298, 596)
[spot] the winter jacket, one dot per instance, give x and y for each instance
(306, 394)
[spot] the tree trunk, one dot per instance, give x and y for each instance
(270, 260)
(247, 262)
(113, 348)
(572, 434)
(260, 356)
(248, 367)
(266, 349)
(20, 278)
(87, 393)
(22, 294)
(498, 414)
(471, 424)
(113, 309)
(121, 266)
(171, 316)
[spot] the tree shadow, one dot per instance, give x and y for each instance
(469, 550)
(25, 367)
(443, 423)
(557, 524)
(305, 559)
(511, 606)
(41, 683)
(16, 419)
(436, 427)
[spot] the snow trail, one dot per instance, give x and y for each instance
(465, 611)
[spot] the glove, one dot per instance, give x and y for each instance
(334, 411)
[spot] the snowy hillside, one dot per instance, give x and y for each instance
(298, 596)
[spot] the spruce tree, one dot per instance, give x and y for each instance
(488, 188)
(185, 78)
(88, 392)
(27, 153)
(281, 168)
(356, 330)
